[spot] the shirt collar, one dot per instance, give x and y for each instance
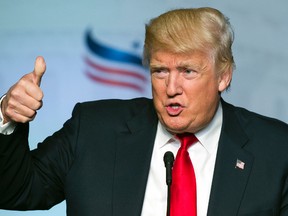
(208, 137)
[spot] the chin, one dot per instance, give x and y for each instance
(176, 128)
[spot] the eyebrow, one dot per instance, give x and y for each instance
(158, 66)
(197, 66)
(184, 64)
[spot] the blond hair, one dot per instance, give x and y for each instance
(188, 30)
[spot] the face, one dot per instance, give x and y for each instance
(186, 90)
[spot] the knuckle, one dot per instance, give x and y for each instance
(40, 95)
(15, 93)
(10, 105)
(10, 114)
(22, 81)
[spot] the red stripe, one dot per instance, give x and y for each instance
(114, 71)
(113, 82)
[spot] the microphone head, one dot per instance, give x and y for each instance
(168, 158)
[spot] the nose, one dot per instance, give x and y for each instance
(173, 84)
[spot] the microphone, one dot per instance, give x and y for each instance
(168, 161)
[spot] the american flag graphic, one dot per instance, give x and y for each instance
(239, 164)
(114, 67)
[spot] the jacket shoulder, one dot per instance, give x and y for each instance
(112, 109)
(250, 119)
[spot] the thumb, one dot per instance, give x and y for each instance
(39, 69)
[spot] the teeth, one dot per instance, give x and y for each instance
(175, 106)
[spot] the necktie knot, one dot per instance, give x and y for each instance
(187, 139)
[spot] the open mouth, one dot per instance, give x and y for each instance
(174, 109)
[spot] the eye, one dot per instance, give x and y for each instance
(159, 72)
(189, 73)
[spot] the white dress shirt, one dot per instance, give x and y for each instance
(203, 156)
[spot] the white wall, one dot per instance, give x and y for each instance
(55, 29)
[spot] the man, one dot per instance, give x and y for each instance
(108, 158)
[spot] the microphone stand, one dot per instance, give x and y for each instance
(168, 161)
(168, 199)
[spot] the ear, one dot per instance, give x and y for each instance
(225, 79)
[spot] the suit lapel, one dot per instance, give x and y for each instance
(132, 163)
(230, 177)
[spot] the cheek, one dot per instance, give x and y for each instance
(157, 96)
(201, 96)
(158, 87)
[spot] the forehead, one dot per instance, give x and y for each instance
(163, 58)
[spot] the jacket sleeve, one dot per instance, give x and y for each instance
(16, 172)
(34, 180)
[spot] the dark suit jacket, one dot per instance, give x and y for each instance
(99, 162)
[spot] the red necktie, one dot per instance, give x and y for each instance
(183, 187)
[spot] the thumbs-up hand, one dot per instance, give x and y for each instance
(24, 98)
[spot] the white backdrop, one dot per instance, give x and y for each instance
(56, 30)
